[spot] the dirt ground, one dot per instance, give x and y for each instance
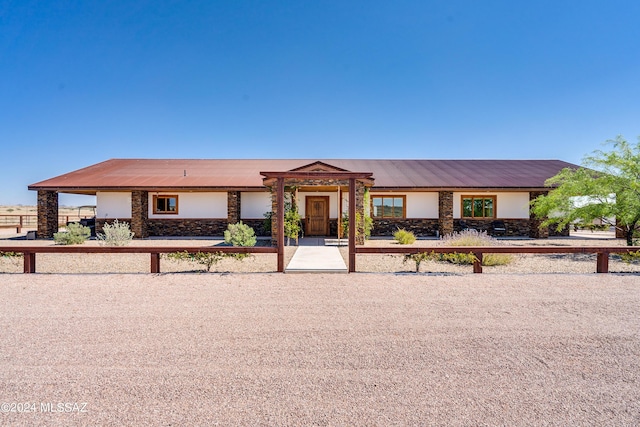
(358, 349)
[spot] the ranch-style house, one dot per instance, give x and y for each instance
(178, 197)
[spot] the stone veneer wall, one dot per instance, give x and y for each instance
(47, 214)
(536, 231)
(445, 209)
(139, 213)
(233, 207)
(186, 227)
(419, 226)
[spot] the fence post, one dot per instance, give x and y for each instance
(29, 262)
(602, 262)
(477, 264)
(155, 262)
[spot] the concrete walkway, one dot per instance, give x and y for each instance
(316, 259)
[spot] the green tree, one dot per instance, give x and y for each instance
(607, 188)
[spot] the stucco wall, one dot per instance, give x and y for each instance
(194, 205)
(255, 204)
(113, 204)
(513, 205)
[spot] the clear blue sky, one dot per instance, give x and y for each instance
(81, 82)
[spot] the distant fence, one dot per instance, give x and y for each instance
(31, 221)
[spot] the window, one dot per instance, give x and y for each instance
(478, 206)
(165, 204)
(388, 207)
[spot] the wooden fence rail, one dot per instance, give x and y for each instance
(29, 252)
(602, 253)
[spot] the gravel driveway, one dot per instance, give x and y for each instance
(358, 349)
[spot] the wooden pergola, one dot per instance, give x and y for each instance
(281, 177)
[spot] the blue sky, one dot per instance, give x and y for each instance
(81, 82)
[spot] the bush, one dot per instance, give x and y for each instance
(404, 237)
(630, 257)
(115, 234)
(208, 259)
(76, 234)
(13, 257)
(240, 235)
(368, 224)
(473, 238)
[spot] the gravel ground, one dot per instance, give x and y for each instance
(357, 349)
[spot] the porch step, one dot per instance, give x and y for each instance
(316, 259)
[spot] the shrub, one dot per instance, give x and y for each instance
(404, 237)
(368, 224)
(630, 257)
(115, 234)
(208, 259)
(473, 238)
(13, 257)
(418, 258)
(240, 235)
(76, 234)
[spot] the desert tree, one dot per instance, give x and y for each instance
(606, 188)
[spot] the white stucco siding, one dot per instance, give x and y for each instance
(422, 205)
(513, 205)
(418, 204)
(195, 205)
(509, 205)
(253, 205)
(113, 204)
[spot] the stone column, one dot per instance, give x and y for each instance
(360, 213)
(445, 212)
(139, 213)
(233, 207)
(535, 231)
(47, 214)
(274, 219)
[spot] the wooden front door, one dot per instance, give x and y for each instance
(317, 215)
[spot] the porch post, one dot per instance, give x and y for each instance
(352, 225)
(279, 214)
(139, 213)
(445, 212)
(233, 207)
(535, 231)
(47, 214)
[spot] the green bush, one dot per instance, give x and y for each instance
(115, 234)
(473, 238)
(404, 237)
(207, 259)
(368, 224)
(630, 257)
(76, 234)
(240, 235)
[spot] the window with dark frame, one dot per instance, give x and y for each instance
(388, 206)
(165, 204)
(478, 206)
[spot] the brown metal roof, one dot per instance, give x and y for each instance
(245, 173)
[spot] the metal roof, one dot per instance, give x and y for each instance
(245, 173)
